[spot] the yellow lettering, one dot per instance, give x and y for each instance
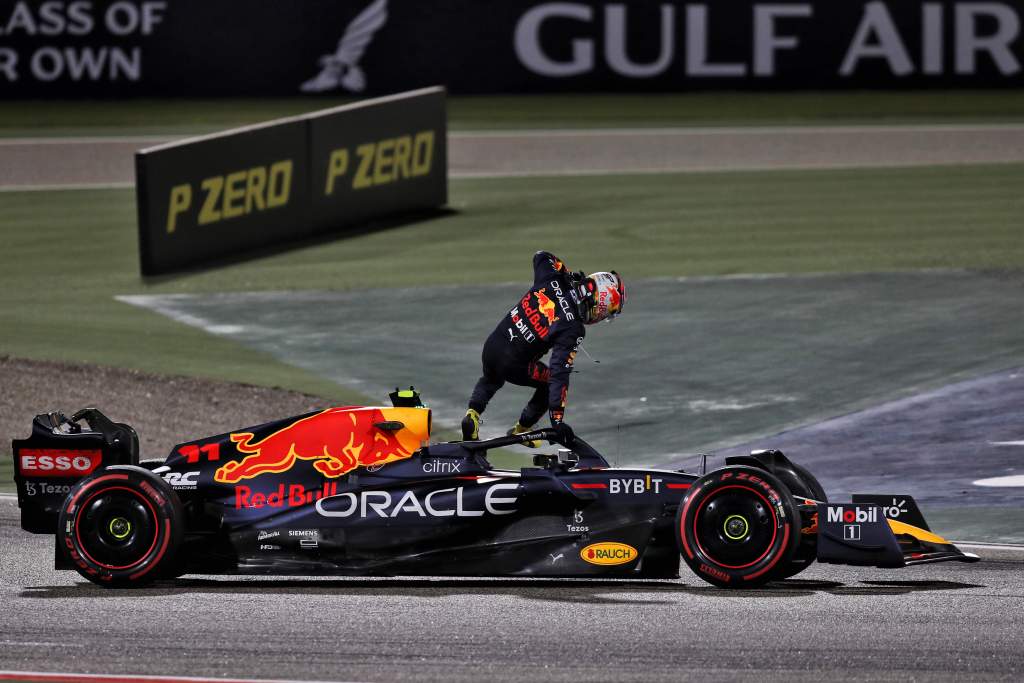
(255, 184)
(423, 153)
(382, 162)
(280, 185)
(209, 212)
(234, 193)
(403, 146)
(337, 165)
(181, 200)
(362, 179)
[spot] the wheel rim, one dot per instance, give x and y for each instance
(116, 528)
(735, 527)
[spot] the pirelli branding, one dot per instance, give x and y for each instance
(224, 196)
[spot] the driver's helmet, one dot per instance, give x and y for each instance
(605, 296)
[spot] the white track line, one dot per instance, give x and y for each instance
(55, 187)
(87, 140)
(583, 132)
(61, 677)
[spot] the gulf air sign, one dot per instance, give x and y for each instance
(822, 43)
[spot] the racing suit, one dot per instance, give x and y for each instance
(546, 318)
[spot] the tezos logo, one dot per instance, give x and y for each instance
(852, 515)
(608, 552)
(58, 462)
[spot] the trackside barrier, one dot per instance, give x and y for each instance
(223, 195)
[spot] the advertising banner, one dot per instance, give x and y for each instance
(228, 194)
(267, 47)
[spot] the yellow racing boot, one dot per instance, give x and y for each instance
(520, 429)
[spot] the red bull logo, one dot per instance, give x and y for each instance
(337, 441)
(546, 306)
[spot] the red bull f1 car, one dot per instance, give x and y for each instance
(362, 491)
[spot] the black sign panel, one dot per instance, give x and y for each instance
(269, 47)
(227, 194)
(376, 161)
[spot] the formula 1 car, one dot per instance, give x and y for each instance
(362, 491)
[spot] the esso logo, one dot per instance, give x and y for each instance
(58, 462)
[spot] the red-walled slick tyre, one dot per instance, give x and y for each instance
(736, 526)
(121, 526)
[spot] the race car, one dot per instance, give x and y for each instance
(363, 491)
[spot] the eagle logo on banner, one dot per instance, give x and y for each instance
(341, 69)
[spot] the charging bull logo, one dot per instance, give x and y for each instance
(337, 440)
(546, 306)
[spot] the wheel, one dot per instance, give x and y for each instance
(807, 549)
(121, 526)
(736, 526)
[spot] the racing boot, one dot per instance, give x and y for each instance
(520, 429)
(471, 426)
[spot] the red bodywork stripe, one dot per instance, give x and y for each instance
(678, 486)
(590, 486)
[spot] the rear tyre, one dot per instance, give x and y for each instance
(737, 526)
(807, 548)
(121, 526)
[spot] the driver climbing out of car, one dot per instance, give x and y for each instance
(550, 316)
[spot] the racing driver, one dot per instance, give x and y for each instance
(550, 316)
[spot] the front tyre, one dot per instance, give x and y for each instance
(736, 526)
(121, 526)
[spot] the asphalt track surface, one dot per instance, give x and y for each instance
(106, 161)
(949, 621)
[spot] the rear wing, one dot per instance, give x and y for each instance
(864, 532)
(60, 452)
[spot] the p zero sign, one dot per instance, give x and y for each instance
(223, 195)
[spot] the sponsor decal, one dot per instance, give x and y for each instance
(308, 543)
(284, 496)
(813, 528)
(577, 526)
(388, 504)
(442, 467)
(181, 480)
(773, 496)
(303, 533)
(599, 36)
(545, 306)
(895, 509)
(264, 535)
(556, 558)
(530, 315)
(337, 441)
(58, 462)
(608, 553)
(563, 303)
(381, 162)
(849, 515)
(717, 573)
(33, 488)
(266, 546)
(634, 486)
(341, 69)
